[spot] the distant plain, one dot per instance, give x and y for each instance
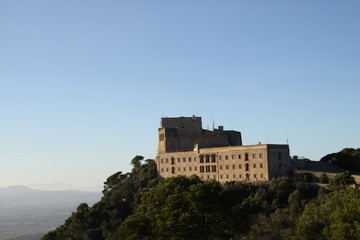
(29, 214)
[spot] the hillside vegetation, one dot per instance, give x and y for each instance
(137, 205)
(348, 158)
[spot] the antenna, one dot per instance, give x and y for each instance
(287, 138)
(213, 124)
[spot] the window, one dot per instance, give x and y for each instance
(201, 158)
(247, 177)
(239, 166)
(161, 137)
(208, 177)
(178, 159)
(194, 159)
(240, 176)
(239, 156)
(207, 158)
(226, 157)
(227, 176)
(260, 155)
(219, 157)
(195, 168)
(184, 159)
(184, 169)
(213, 159)
(179, 169)
(254, 165)
(167, 160)
(207, 168)
(162, 160)
(254, 175)
(261, 165)
(246, 156)
(233, 166)
(261, 176)
(189, 159)
(220, 167)
(189, 168)
(227, 167)
(167, 169)
(201, 168)
(173, 170)
(234, 176)
(247, 167)
(172, 161)
(213, 168)
(162, 170)
(233, 157)
(220, 176)
(254, 155)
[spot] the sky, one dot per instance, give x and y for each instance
(83, 84)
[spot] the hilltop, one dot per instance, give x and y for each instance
(139, 205)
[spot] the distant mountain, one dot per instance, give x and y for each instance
(62, 187)
(26, 213)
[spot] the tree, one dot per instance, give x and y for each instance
(348, 158)
(342, 180)
(136, 161)
(335, 217)
(323, 178)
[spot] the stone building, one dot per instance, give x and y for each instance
(184, 148)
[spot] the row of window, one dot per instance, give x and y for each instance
(179, 169)
(212, 168)
(178, 160)
(254, 156)
(212, 158)
(247, 166)
(208, 168)
(246, 177)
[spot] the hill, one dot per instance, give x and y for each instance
(140, 206)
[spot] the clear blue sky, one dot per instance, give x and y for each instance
(83, 84)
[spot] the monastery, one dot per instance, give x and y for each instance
(185, 148)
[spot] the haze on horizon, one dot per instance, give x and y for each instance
(83, 84)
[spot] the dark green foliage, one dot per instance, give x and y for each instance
(342, 180)
(348, 159)
(323, 178)
(335, 216)
(137, 206)
(183, 208)
(121, 193)
(304, 177)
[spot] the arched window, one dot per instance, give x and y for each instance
(247, 177)
(173, 170)
(172, 161)
(247, 167)
(207, 157)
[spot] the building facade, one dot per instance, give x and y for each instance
(184, 148)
